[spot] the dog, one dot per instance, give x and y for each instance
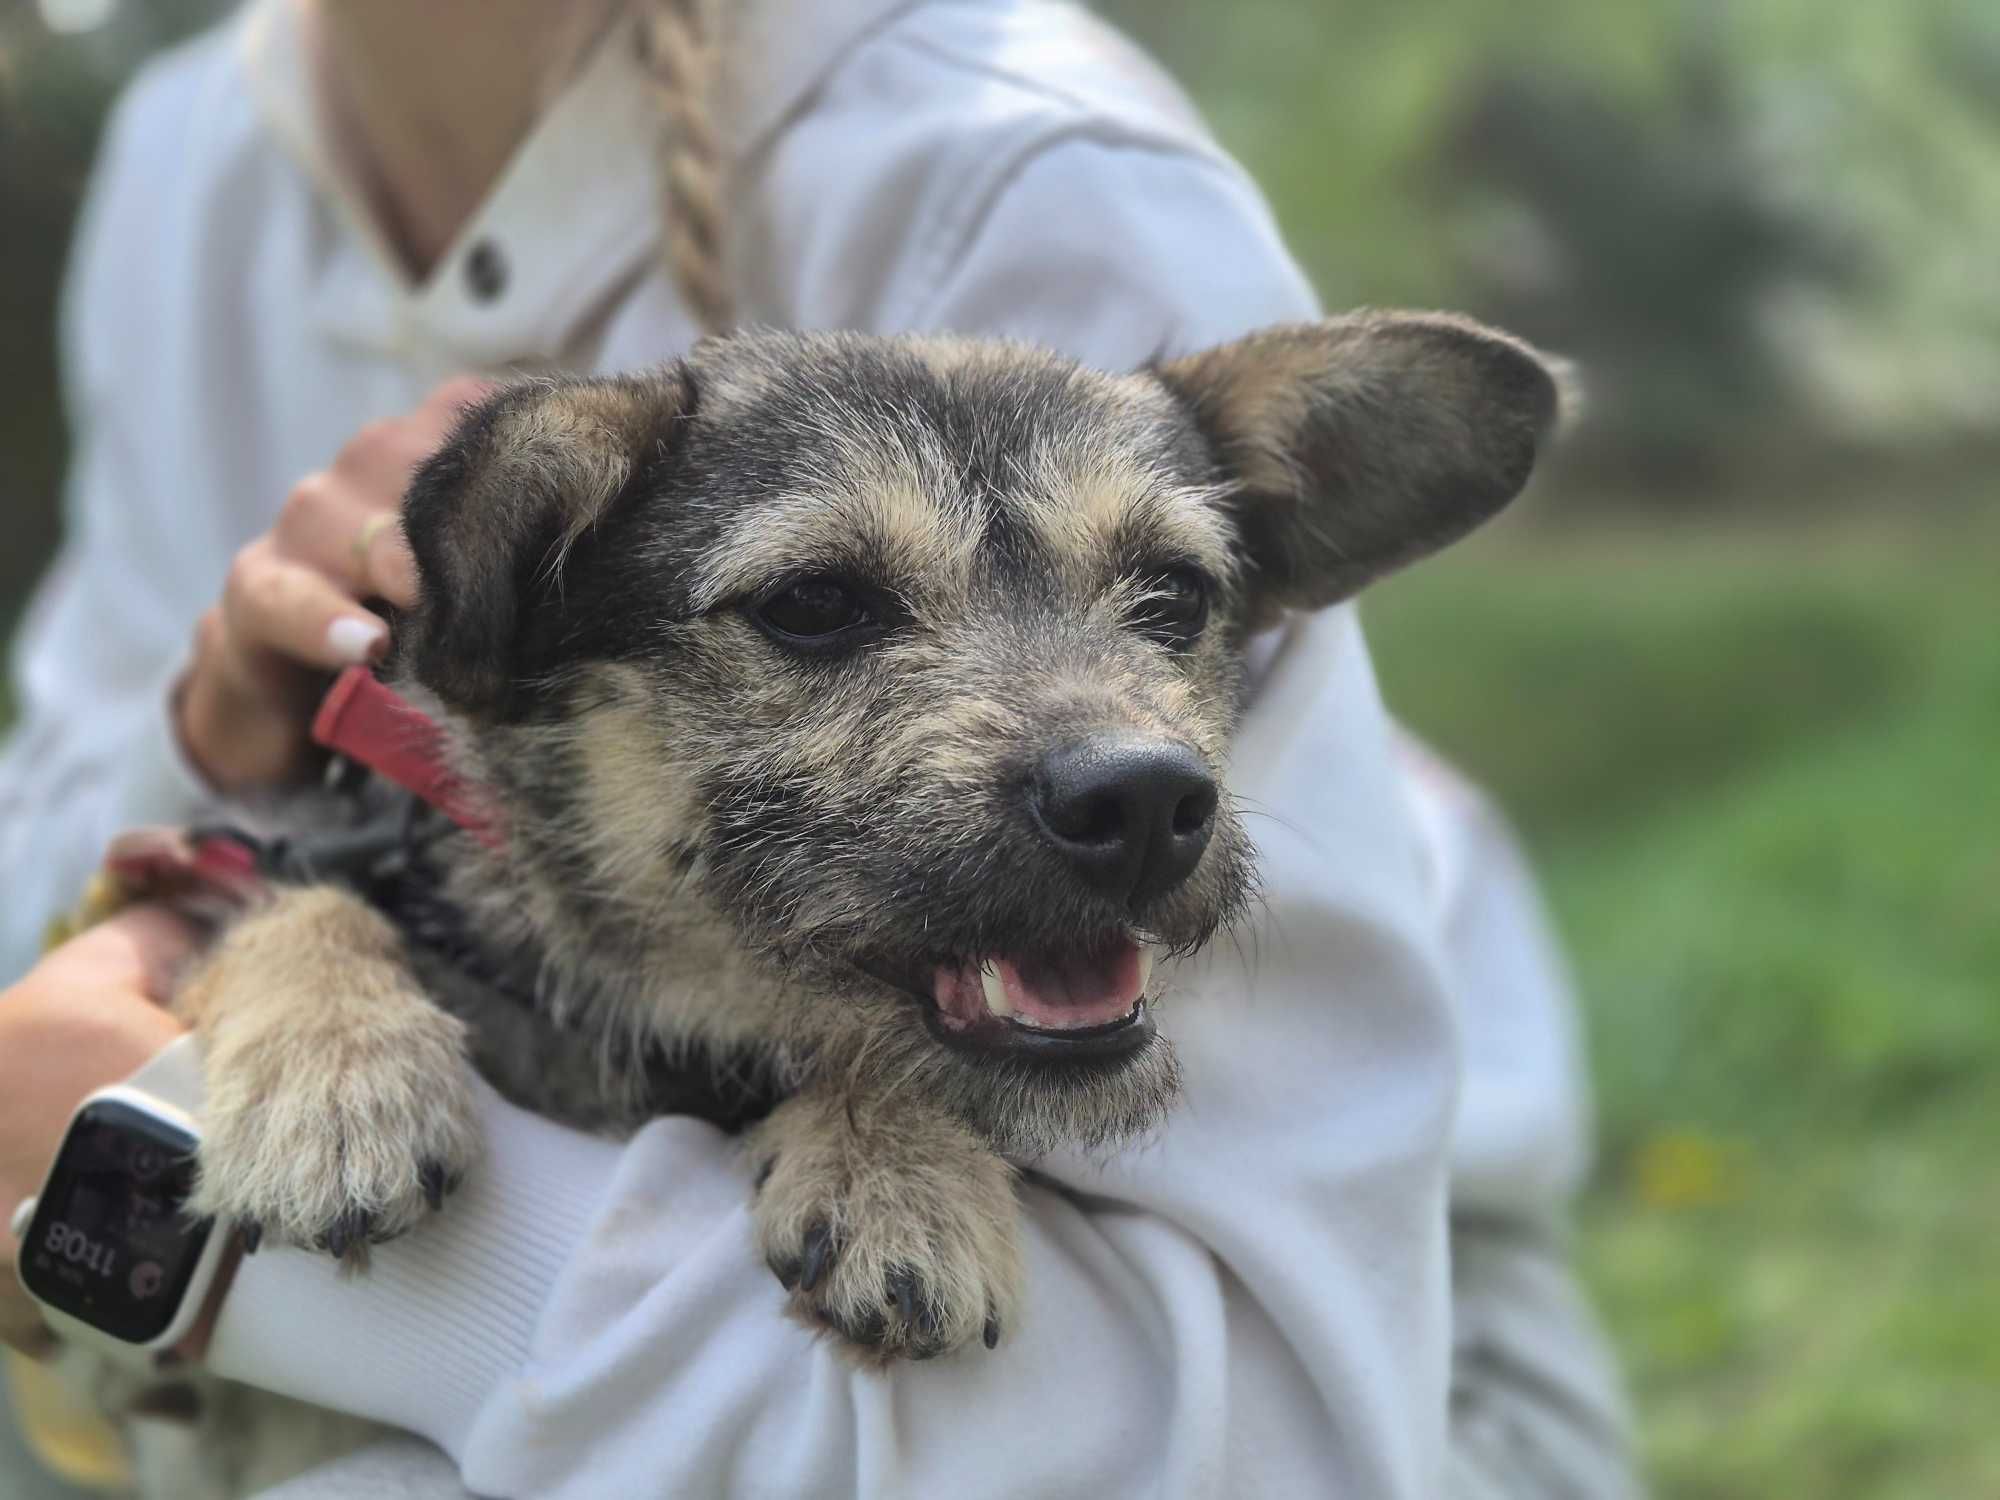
(857, 711)
(854, 717)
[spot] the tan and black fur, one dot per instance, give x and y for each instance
(749, 855)
(729, 855)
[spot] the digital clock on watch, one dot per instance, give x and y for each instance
(107, 1247)
(109, 1244)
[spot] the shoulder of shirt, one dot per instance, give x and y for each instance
(1034, 66)
(179, 122)
(179, 97)
(942, 108)
(966, 87)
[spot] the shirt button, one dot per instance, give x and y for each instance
(485, 271)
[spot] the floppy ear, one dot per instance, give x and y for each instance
(492, 514)
(1362, 443)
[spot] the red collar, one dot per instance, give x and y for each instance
(360, 719)
(370, 723)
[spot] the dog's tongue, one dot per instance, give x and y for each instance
(1055, 993)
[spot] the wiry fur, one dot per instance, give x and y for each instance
(734, 857)
(889, 1221)
(1367, 443)
(354, 1146)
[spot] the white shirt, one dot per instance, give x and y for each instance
(1259, 1302)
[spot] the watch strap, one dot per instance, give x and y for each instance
(173, 1075)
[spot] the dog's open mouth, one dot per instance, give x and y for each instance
(1082, 1002)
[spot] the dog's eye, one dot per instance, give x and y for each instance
(1171, 607)
(814, 611)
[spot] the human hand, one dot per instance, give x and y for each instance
(89, 1014)
(294, 606)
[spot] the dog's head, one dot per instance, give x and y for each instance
(914, 663)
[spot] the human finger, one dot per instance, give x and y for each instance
(350, 534)
(273, 604)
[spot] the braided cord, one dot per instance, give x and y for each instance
(682, 51)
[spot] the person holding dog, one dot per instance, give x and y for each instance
(343, 209)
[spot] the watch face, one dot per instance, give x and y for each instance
(109, 1244)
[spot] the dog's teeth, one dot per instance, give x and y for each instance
(1145, 967)
(995, 988)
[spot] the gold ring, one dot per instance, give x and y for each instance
(365, 539)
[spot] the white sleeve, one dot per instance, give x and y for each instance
(1116, 252)
(92, 751)
(1537, 1410)
(1255, 1302)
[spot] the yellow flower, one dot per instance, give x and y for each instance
(1686, 1169)
(101, 898)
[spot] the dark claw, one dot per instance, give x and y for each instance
(992, 1334)
(346, 1232)
(869, 1333)
(252, 1234)
(903, 1288)
(820, 1251)
(787, 1272)
(432, 1176)
(907, 1289)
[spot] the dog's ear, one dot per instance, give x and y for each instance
(1362, 443)
(493, 513)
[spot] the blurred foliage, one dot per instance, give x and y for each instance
(1756, 768)
(1764, 227)
(54, 91)
(1643, 245)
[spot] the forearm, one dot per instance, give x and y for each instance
(443, 1317)
(1537, 1408)
(586, 1319)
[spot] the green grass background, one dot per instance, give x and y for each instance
(1758, 768)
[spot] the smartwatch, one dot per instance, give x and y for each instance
(107, 1248)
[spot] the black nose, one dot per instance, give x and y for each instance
(1130, 814)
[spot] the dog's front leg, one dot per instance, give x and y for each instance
(338, 1105)
(892, 1225)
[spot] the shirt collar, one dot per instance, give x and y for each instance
(574, 215)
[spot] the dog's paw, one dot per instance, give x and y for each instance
(334, 1141)
(893, 1228)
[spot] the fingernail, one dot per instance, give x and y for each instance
(355, 640)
